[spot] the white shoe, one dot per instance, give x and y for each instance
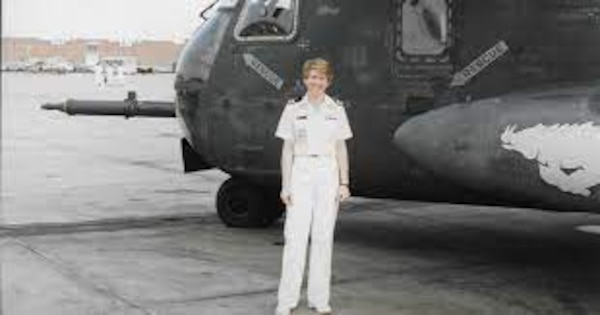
(321, 310)
(286, 311)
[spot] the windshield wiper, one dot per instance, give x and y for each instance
(206, 10)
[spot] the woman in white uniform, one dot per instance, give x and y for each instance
(314, 168)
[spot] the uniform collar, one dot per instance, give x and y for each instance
(329, 103)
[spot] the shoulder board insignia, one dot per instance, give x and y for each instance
(337, 101)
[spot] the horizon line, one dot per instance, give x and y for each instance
(120, 40)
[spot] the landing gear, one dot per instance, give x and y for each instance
(243, 204)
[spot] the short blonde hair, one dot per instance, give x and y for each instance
(318, 64)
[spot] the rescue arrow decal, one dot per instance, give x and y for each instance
(477, 65)
(263, 70)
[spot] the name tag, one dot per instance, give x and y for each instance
(330, 118)
(300, 126)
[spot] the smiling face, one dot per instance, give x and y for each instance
(316, 82)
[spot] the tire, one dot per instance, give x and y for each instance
(243, 204)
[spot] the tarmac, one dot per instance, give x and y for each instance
(390, 257)
(98, 218)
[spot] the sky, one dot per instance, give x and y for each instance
(111, 19)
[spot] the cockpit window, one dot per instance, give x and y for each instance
(424, 27)
(267, 20)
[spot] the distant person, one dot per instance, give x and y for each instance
(110, 73)
(120, 77)
(105, 69)
(98, 76)
(314, 168)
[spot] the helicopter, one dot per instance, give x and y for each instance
(492, 102)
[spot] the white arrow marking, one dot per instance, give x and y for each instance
(477, 65)
(251, 61)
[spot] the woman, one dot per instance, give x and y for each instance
(314, 168)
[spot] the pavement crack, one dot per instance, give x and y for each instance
(105, 225)
(211, 297)
(77, 277)
(352, 280)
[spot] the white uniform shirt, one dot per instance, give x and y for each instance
(314, 130)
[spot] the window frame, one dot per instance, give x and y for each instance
(442, 57)
(266, 38)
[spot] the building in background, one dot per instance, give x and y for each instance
(83, 54)
(92, 56)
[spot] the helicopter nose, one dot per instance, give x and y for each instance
(541, 148)
(199, 55)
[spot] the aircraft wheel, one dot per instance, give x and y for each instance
(242, 204)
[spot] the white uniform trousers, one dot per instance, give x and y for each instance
(314, 185)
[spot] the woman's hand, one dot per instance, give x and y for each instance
(343, 192)
(286, 197)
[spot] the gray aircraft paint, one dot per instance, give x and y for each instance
(417, 136)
